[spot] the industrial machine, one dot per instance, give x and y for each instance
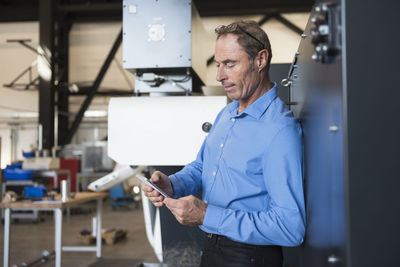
(95, 158)
(343, 87)
(162, 126)
(162, 44)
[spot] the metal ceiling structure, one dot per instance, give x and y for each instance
(111, 10)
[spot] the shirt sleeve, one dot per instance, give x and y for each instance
(188, 180)
(283, 221)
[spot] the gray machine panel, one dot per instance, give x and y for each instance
(157, 34)
(317, 91)
(348, 106)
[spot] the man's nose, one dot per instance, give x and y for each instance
(221, 74)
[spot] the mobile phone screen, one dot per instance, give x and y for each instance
(149, 183)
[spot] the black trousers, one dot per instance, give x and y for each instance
(220, 251)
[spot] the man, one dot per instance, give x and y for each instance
(249, 167)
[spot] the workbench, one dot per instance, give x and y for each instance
(57, 208)
(39, 174)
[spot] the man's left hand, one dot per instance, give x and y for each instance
(187, 210)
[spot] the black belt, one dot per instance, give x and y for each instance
(208, 235)
(222, 237)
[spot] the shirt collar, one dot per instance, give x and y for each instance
(259, 106)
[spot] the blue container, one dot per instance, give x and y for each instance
(35, 191)
(18, 174)
(29, 154)
(117, 191)
(16, 165)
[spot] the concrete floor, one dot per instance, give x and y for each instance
(29, 239)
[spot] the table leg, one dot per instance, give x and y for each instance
(69, 181)
(58, 235)
(6, 255)
(78, 182)
(69, 190)
(98, 227)
(55, 179)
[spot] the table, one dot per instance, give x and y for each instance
(57, 207)
(53, 174)
(34, 216)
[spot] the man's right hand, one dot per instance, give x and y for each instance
(163, 182)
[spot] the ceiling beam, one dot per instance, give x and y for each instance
(111, 10)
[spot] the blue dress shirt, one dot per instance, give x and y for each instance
(250, 170)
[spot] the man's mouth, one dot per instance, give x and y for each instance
(228, 87)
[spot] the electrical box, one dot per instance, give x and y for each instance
(163, 34)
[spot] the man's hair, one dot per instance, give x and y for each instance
(250, 37)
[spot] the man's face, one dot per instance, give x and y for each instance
(234, 69)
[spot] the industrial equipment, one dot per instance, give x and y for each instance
(95, 158)
(158, 131)
(162, 44)
(343, 87)
(115, 177)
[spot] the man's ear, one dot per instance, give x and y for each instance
(262, 59)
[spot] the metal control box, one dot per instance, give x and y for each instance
(162, 35)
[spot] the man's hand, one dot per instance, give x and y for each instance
(163, 182)
(187, 210)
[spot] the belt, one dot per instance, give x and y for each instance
(226, 239)
(208, 235)
(221, 237)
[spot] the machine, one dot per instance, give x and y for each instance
(162, 127)
(343, 88)
(164, 57)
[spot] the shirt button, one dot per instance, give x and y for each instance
(233, 119)
(214, 173)
(221, 145)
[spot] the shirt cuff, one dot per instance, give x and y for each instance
(177, 185)
(213, 217)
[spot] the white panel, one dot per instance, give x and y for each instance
(159, 130)
(5, 149)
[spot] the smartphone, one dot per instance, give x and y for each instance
(149, 183)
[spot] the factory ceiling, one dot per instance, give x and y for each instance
(110, 10)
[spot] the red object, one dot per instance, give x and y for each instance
(73, 165)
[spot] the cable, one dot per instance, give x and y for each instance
(174, 83)
(159, 79)
(185, 79)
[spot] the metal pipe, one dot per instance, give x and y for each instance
(58, 235)
(98, 227)
(6, 255)
(40, 137)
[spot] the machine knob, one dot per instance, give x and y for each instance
(206, 127)
(326, 32)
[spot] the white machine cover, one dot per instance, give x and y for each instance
(159, 131)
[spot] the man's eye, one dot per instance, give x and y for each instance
(230, 65)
